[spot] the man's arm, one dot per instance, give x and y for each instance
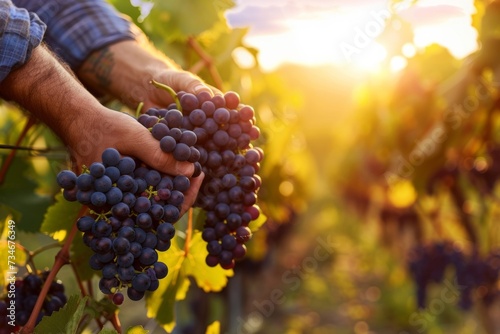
(125, 69)
(110, 55)
(51, 93)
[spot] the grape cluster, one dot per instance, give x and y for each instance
(23, 300)
(428, 264)
(133, 209)
(216, 132)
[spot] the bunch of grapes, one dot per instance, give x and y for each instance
(24, 297)
(215, 132)
(428, 264)
(133, 209)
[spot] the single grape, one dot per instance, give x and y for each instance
(97, 169)
(110, 157)
(118, 298)
(66, 179)
(168, 144)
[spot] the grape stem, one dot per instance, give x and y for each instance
(138, 110)
(189, 232)
(62, 258)
(172, 93)
(8, 161)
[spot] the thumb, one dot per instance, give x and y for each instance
(139, 143)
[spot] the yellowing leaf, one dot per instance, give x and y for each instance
(14, 256)
(207, 278)
(257, 223)
(137, 330)
(402, 194)
(161, 303)
(213, 328)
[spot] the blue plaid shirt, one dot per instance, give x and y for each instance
(74, 29)
(20, 33)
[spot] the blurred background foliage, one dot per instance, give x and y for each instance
(360, 169)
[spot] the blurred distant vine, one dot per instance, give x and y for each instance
(436, 163)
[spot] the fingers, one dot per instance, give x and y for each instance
(192, 192)
(188, 82)
(148, 151)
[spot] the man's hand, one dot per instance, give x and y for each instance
(130, 138)
(50, 92)
(124, 70)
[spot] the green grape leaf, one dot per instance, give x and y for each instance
(100, 308)
(19, 192)
(60, 217)
(160, 304)
(176, 21)
(66, 320)
(80, 255)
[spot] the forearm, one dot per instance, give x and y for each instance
(125, 69)
(51, 93)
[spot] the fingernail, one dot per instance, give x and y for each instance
(199, 88)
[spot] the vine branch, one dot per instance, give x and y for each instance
(189, 232)
(208, 62)
(62, 258)
(8, 161)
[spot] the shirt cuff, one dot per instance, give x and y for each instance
(21, 32)
(76, 28)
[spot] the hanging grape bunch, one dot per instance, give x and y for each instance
(216, 133)
(16, 307)
(134, 208)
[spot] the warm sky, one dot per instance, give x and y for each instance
(322, 31)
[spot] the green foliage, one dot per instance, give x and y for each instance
(60, 217)
(66, 320)
(19, 192)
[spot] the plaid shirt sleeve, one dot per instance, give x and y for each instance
(76, 28)
(20, 33)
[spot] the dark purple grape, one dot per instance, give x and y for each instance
(121, 245)
(182, 152)
(113, 173)
(168, 144)
(159, 131)
(97, 169)
(188, 137)
(148, 256)
(84, 182)
(221, 116)
(85, 223)
(174, 118)
(126, 166)
(208, 108)
(246, 113)
(165, 231)
(110, 157)
(197, 117)
(189, 102)
(214, 247)
(118, 298)
(141, 282)
(181, 183)
(232, 100)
